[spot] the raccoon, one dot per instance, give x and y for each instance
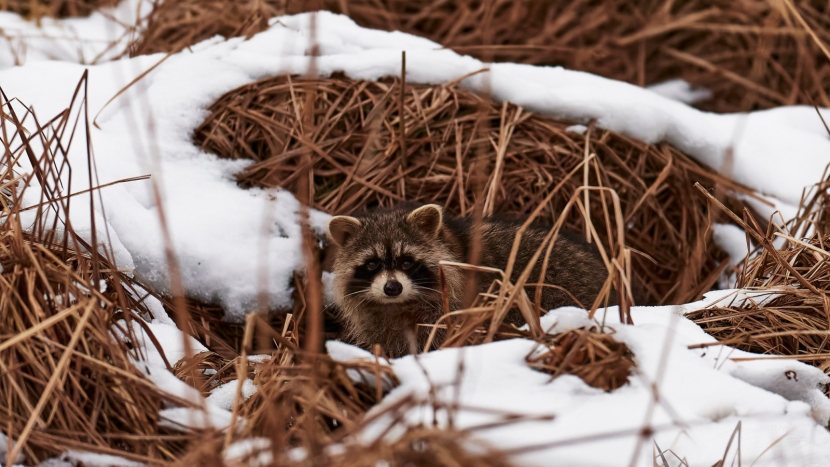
(387, 278)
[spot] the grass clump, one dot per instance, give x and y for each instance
(784, 299)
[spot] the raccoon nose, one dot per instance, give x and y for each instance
(393, 288)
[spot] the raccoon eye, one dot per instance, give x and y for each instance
(372, 264)
(407, 264)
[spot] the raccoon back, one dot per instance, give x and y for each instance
(575, 272)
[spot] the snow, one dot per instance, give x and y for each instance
(252, 452)
(680, 90)
(4, 446)
(224, 237)
(224, 395)
(100, 37)
(703, 394)
(578, 129)
(731, 239)
(98, 460)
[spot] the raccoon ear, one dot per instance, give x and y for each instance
(341, 228)
(428, 219)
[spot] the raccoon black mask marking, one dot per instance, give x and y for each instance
(386, 269)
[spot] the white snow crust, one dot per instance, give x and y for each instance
(97, 38)
(703, 394)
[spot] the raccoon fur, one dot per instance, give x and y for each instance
(387, 279)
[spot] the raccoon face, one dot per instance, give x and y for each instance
(390, 276)
(388, 257)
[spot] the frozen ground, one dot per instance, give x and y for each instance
(223, 236)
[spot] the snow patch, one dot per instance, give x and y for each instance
(703, 395)
(680, 90)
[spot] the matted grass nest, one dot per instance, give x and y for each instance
(784, 308)
(54, 8)
(353, 150)
(749, 54)
(597, 358)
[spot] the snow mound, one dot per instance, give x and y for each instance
(703, 395)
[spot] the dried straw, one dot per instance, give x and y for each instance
(788, 305)
(207, 370)
(62, 366)
(68, 377)
(306, 400)
(54, 8)
(750, 54)
(417, 447)
(356, 163)
(175, 25)
(596, 357)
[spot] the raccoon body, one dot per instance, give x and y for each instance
(387, 269)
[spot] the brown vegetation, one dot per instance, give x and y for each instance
(596, 357)
(68, 376)
(788, 305)
(356, 162)
(54, 8)
(750, 54)
(174, 25)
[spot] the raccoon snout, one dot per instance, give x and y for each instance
(393, 288)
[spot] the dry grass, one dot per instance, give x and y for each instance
(207, 370)
(351, 154)
(750, 54)
(356, 163)
(310, 404)
(312, 400)
(54, 8)
(63, 368)
(68, 377)
(175, 25)
(67, 374)
(596, 357)
(418, 447)
(789, 289)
